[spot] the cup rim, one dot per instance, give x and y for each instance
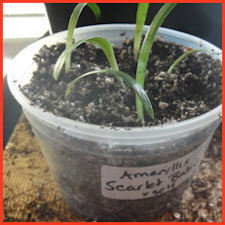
(97, 130)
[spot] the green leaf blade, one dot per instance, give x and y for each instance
(140, 21)
(103, 43)
(62, 58)
(96, 10)
(146, 49)
(129, 80)
(180, 58)
(106, 47)
(73, 23)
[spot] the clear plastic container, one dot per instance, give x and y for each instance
(117, 174)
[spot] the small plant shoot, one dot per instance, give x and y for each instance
(179, 59)
(146, 49)
(141, 52)
(103, 43)
(129, 80)
(73, 23)
(140, 21)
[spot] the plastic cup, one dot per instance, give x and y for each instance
(117, 174)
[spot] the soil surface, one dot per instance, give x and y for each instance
(193, 88)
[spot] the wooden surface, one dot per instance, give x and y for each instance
(30, 193)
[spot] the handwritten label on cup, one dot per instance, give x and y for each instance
(130, 183)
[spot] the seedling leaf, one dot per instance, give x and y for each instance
(146, 49)
(96, 10)
(103, 43)
(73, 23)
(126, 77)
(140, 21)
(179, 59)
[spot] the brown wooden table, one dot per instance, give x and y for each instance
(30, 193)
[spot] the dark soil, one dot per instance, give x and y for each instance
(194, 87)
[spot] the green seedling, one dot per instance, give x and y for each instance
(140, 54)
(146, 49)
(185, 54)
(106, 47)
(179, 59)
(129, 80)
(103, 43)
(140, 21)
(73, 23)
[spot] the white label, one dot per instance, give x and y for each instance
(129, 183)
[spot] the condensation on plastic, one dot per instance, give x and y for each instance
(75, 151)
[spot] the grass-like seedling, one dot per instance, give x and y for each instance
(146, 49)
(179, 59)
(141, 52)
(73, 23)
(103, 43)
(106, 47)
(140, 21)
(139, 91)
